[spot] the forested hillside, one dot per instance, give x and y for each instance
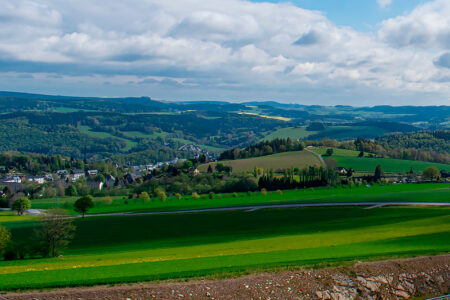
(138, 130)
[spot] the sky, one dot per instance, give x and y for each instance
(328, 52)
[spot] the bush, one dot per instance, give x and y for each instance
(160, 194)
(178, 196)
(195, 195)
(145, 197)
(279, 192)
(263, 192)
(211, 195)
(249, 193)
(5, 237)
(235, 195)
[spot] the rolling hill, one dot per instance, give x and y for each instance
(300, 159)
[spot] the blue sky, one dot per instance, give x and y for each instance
(355, 52)
(362, 15)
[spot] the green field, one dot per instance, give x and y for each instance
(376, 193)
(143, 135)
(339, 152)
(292, 132)
(105, 135)
(349, 159)
(387, 164)
(300, 159)
(151, 247)
(331, 132)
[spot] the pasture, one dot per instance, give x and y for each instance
(387, 164)
(140, 248)
(300, 159)
(349, 159)
(376, 193)
(331, 132)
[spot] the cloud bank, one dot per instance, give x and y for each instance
(223, 49)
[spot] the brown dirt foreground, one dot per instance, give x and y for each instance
(392, 279)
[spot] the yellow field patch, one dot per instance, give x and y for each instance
(265, 116)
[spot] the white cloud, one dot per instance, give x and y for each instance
(233, 43)
(384, 3)
(427, 26)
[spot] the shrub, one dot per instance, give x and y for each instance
(264, 192)
(145, 197)
(235, 195)
(178, 196)
(279, 192)
(5, 237)
(195, 195)
(211, 195)
(160, 194)
(249, 193)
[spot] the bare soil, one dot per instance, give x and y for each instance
(391, 279)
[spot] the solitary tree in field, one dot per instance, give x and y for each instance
(329, 151)
(21, 205)
(55, 233)
(431, 173)
(83, 204)
(378, 173)
(5, 237)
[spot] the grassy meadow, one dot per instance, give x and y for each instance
(349, 159)
(138, 248)
(283, 160)
(332, 132)
(376, 193)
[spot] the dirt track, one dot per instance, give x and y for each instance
(393, 279)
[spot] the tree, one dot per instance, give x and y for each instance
(71, 190)
(160, 194)
(361, 154)
(329, 151)
(50, 192)
(21, 205)
(144, 196)
(431, 173)
(210, 169)
(178, 196)
(55, 233)
(411, 173)
(195, 195)
(5, 237)
(83, 204)
(378, 173)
